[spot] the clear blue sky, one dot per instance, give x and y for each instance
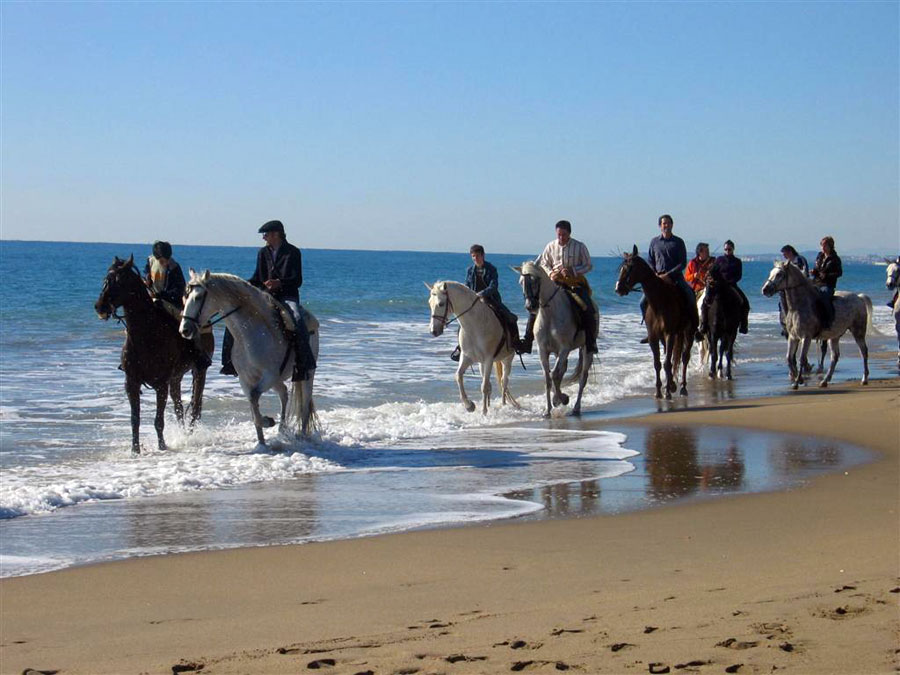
(425, 126)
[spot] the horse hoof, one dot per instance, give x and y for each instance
(794, 386)
(268, 422)
(668, 395)
(823, 384)
(470, 407)
(576, 412)
(564, 399)
(658, 394)
(684, 392)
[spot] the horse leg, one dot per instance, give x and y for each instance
(545, 367)
(175, 395)
(864, 353)
(804, 352)
(585, 358)
(729, 356)
(133, 390)
(791, 359)
(654, 347)
(159, 422)
(486, 368)
(714, 357)
(282, 392)
(823, 350)
(258, 420)
(559, 370)
(198, 383)
(464, 363)
(670, 383)
(835, 356)
(685, 359)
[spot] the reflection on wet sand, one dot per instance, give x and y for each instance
(678, 462)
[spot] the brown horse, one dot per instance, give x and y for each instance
(724, 319)
(671, 319)
(154, 353)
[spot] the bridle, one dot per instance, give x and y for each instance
(531, 295)
(444, 320)
(196, 319)
(626, 281)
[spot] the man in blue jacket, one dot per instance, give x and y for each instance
(482, 278)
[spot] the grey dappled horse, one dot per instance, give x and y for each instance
(556, 331)
(263, 354)
(852, 311)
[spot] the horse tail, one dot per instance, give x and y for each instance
(870, 327)
(302, 407)
(576, 374)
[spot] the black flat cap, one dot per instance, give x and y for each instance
(272, 226)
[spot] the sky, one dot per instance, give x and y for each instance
(432, 126)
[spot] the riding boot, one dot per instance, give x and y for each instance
(745, 316)
(305, 359)
(227, 344)
(528, 341)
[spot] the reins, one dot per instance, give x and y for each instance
(212, 321)
(446, 322)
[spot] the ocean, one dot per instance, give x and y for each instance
(396, 450)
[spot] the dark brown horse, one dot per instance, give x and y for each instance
(671, 318)
(154, 353)
(723, 320)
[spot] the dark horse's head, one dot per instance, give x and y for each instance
(122, 280)
(631, 272)
(714, 280)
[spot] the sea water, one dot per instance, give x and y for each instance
(396, 450)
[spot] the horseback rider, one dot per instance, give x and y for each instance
(668, 258)
(567, 261)
(732, 270)
(482, 278)
(791, 256)
(165, 280)
(279, 272)
(698, 268)
(825, 274)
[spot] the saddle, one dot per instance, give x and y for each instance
(297, 334)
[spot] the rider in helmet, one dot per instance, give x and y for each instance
(164, 278)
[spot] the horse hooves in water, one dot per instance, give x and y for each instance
(561, 399)
(823, 384)
(268, 422)
(470, 407)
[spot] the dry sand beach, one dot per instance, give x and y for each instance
(802, 581)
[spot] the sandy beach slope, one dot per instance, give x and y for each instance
(801, 581)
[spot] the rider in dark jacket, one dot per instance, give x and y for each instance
(827, 271)
(279, 271)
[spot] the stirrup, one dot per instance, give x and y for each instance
(454, 355)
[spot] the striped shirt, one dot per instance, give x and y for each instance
(573, 255)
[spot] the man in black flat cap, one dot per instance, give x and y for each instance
(279, 271)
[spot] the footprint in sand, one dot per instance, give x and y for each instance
(186, 668)
(320, 663)
(734, 643)
(456, 658)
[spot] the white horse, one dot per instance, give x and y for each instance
(482, 338)
(263, 355)
(555, 331)
(893, 283)
(852, 311)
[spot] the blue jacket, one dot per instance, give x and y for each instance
(668, 254)
(491, 279)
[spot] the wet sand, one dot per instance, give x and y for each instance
(803, 580)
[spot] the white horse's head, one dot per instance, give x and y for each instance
(780, 278)
(196, 312)
(893, 275)
(439, 304)
(531, 276)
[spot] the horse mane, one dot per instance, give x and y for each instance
(239, 291)
(796, 273)
(530, 267)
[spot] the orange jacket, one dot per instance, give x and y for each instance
(696, 272)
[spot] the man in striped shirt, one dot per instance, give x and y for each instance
(568, 261)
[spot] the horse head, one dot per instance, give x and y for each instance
(195, 294)
(778, 278)
(893, 275)
(439, 303)
(629, 271)
(121, 281)
(531, 278)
